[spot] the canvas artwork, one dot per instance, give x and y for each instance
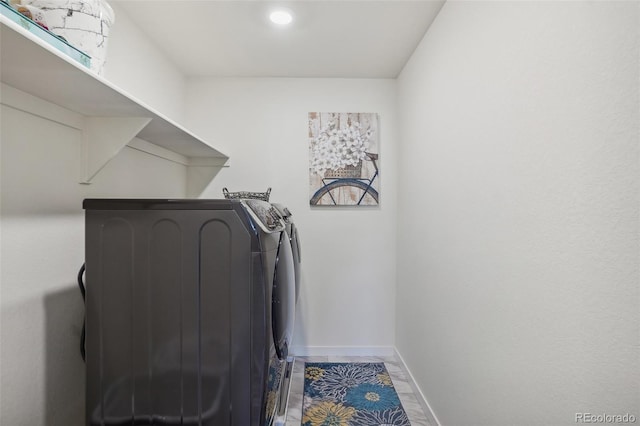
(343, 159)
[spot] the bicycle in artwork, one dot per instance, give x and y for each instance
(336, 185)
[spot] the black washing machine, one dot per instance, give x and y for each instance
(189, 312)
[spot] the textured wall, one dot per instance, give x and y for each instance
(518, 215)
(348, 274)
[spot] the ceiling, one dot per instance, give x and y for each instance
(329, 38)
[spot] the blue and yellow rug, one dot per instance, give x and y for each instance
(350, 394)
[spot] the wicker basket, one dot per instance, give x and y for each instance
(264, 196)
(345, 172)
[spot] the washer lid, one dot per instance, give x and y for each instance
(265, 215)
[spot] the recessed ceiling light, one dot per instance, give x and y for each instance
(281, 17)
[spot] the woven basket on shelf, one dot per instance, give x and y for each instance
(239, 195)
(345, 172)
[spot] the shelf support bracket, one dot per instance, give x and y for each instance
(103, 138)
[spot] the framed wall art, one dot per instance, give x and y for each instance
(343, 159)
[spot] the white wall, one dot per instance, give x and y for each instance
(42, 233)
(137, 65)
(518, 270)
(348, 275)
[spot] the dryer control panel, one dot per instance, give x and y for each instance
(267, 217)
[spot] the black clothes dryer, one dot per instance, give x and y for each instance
(294, 239)
(188, 312)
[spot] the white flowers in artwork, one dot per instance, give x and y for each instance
(336, 148)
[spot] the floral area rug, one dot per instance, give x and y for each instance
(350, 394)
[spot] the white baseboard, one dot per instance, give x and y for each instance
(416, 389)
(373, 351)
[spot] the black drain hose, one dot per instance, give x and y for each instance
(83, 291)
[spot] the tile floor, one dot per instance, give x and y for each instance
(414, 410)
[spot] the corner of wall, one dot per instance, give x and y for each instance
(136, 64)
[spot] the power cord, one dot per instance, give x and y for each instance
(83, 291)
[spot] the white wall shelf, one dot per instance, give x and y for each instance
(112, 119)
